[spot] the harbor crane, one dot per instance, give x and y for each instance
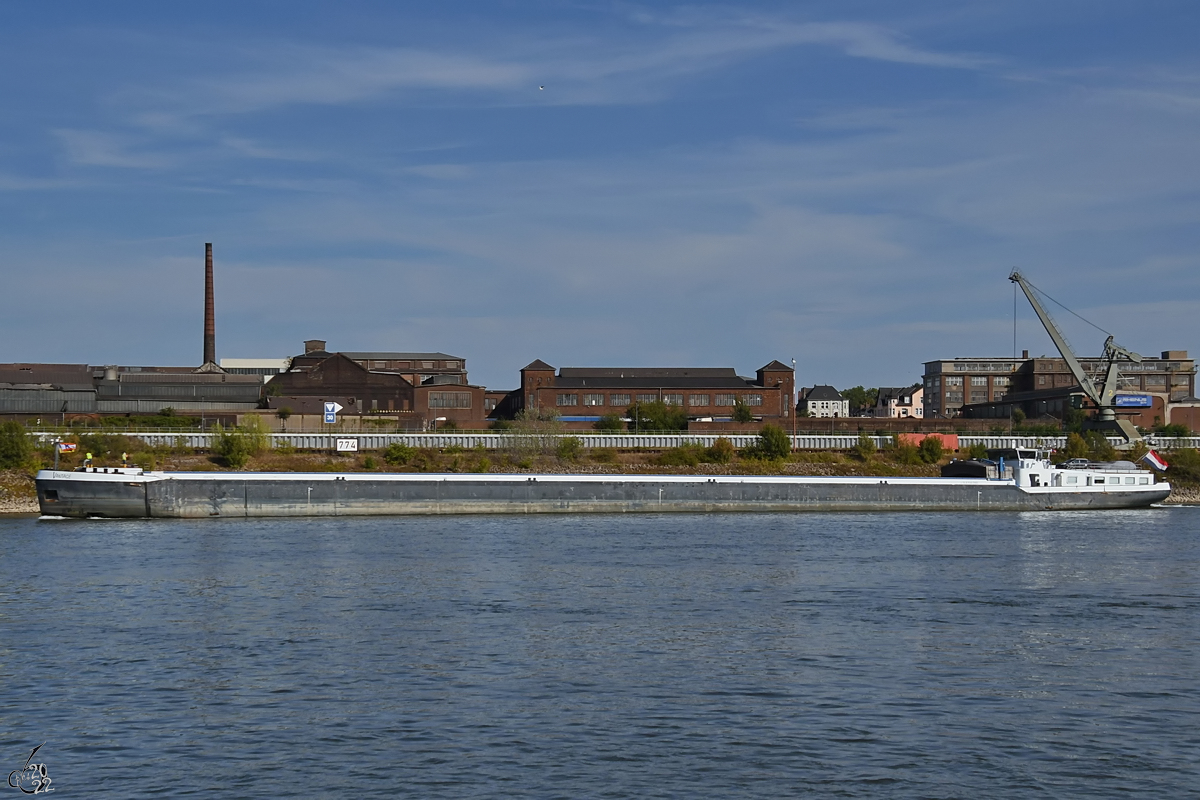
(1104, 395)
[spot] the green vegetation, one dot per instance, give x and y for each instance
(569, 448)
(931, 449)
(603, 455)
(15, 446)
(772, 443)
(721, 452)
(235, 447)
(1076, 447)
(684, 455)
(864, 448)
(1098, 447)
(977, 450)
(610, 423)
(860, 398)
(535, 430)
(657, 416)
(742, 412)
(1184, 466)
(398, 454)
(903, 452)
(166, 418)
(1172, 431)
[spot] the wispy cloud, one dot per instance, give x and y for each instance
(103, 149)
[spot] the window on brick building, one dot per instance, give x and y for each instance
(673, 399)
(647, 398)
(449, 399)
(979, 380)
(752, 399)
(697, 399)
(567, 400)
(726, 400)
(593, 399)
(619, 400)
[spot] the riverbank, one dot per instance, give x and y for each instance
(17, 493)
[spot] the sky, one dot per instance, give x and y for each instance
(847, 184)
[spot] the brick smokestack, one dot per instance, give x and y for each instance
(210, 320)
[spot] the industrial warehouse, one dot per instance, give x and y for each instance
(419, 391)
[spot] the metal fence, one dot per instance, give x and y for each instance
(619, 441)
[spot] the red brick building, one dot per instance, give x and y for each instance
(440, 399)
(584, 394)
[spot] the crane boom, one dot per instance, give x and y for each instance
(1103, 396)
(1064, 349)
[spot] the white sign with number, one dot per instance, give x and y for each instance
(347, 445)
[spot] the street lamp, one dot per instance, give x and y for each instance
(792, 399)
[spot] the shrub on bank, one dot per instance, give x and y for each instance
(1184, 466)
(15, 445)
(398, 454)
(931, 449)
(772, 442)
(603, 455)
(685, 455)
(721, 452)
(610, 423)
(569, 448)
(977, 450)
(864, 448)
(903, 452)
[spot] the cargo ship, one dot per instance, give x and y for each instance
(1024, 481)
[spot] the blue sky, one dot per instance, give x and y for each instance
(847, 184)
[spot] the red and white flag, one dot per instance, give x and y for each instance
(67, 447)
(1155, 460)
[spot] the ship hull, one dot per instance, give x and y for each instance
(193, 495)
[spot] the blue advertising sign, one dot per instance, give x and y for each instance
(1133, 401)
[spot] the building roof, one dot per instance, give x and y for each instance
(650, 378)
(385, 356)
(64, 375)
(537, 365)
(651, 382)
(776, 366)
(822, 392)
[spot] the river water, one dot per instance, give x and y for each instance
(832, 655)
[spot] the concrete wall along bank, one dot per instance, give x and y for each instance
(620, 441)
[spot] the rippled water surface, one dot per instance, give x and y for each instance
(840, 655)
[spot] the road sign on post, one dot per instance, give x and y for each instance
(331, 410)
